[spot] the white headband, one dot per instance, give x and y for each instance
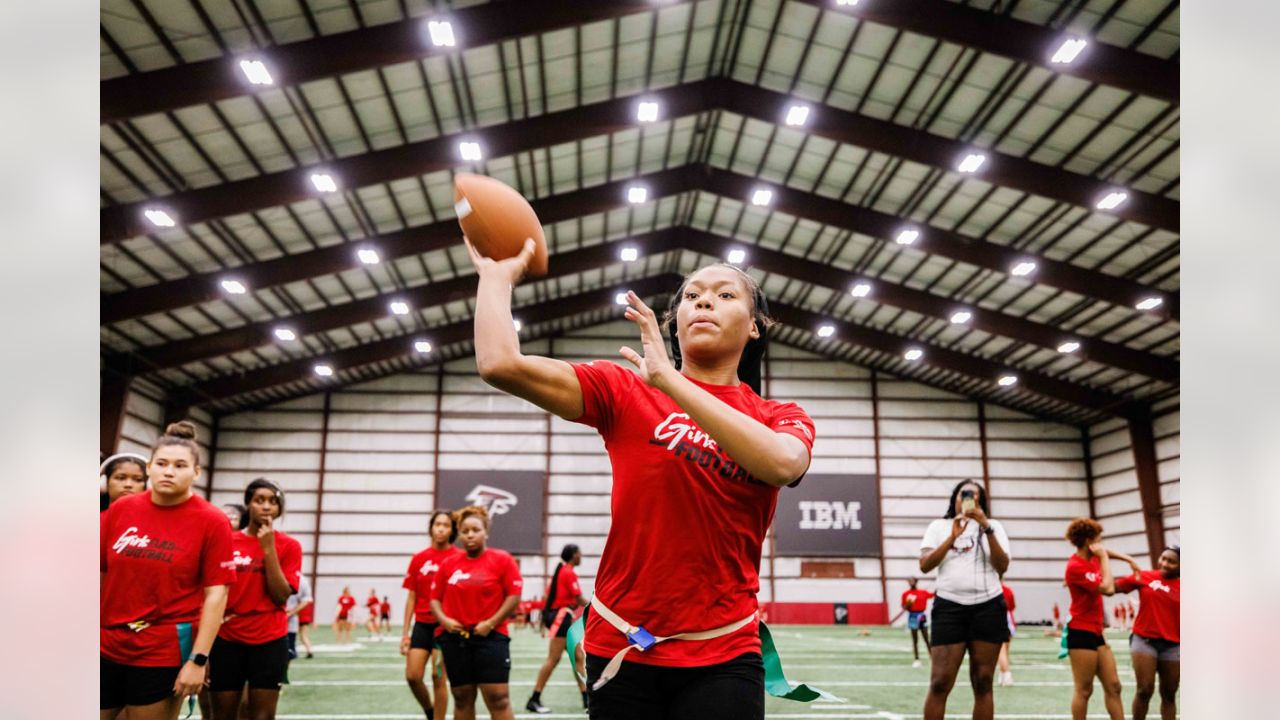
(102, 470)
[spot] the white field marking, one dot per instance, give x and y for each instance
(339, 664)
(797, 715)
(566, 683)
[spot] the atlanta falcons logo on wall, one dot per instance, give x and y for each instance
(495, 500)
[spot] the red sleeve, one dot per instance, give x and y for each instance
(791, 419)
(415, 565)
(440, 580)
(512, 583)
(1078, 577)
(903, 602)
(1128, 583)
(291, 564)
(603, 383)
(216, 565)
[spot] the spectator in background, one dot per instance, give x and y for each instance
(372, 605)
(342, 624)
(1155, 645)
(971, 552)
(916, 601)
(384, 616)
(564, 597)
(1006, 675)
(419, 645)
(120, 475)
(294, 607)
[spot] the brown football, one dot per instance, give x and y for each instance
(497, 219)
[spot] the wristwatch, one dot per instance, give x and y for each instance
(200, 659)
(988, 530)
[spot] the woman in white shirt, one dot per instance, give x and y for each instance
(971, 552)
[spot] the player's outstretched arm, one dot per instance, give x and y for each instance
(546, 382)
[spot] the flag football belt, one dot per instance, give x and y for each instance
(775, 682)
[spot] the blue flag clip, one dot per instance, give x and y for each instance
(641, 638)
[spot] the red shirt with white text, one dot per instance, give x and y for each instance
(1161, 604)
(471, 590)
(916, 600)
(157, 562)
(254, 617)
(422, 568)
(1083, 579)
(345, 603)
(688, 523)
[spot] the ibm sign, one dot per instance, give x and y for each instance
(829, 515)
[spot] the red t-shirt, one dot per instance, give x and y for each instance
(372, 603)
(1008, 599)
(255, 618)
(683, 552)
(307, 615)
(1161, 604)
(422, 568)
(1083, 578)
(385, 608)
(916, 600)
(157, 562)
(471, 590)
(345, 603)
(567, 588)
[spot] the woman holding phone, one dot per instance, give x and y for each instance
(971, 552)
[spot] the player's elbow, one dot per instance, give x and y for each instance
(495, 369)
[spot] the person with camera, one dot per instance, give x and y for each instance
(971, 552)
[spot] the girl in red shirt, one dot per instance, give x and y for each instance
(564, 596)
(252, 646)
(166, 563)
(342, 625)
(122, 474)
(418, 646)
(1088, 579)
(1154, 645)
(698, 455)
(472, 595)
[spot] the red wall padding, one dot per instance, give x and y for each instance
(796, 613)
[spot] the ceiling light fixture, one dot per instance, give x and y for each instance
(441, 32)
(234, 287)
(1150, 303)
(323, 370)
(1007, 380)
(737, 256)
(1113, 200)
(422, 346)
(1026, 267)
(1069, 346)
(470, 151)
(797, 115)
(159, 218)
(620, 298)
(1068, 51)
(324, 182)
(399, 307)
(762, 197)
(826, 331)
(629, 254)
(861, 289)
(907, 236)
(647, 112)
(972, 162)
(913, 354)
(961, 317)
(637, 194)
(256, 72)
(517, 325)
(368, 256)
(286, 335)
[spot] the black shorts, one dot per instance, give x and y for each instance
(1084, 640)
(955, 623)
(293, 645)
(232, 664)
(549, 619)
(423, 637)
(476, 660)
(732, 689)
(386, 617)
(121, 685)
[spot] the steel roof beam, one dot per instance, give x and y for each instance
(299, 62)
(1023, 41)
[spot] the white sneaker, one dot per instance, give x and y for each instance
(915, 664)
(1006, 679)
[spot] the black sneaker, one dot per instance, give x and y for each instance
(536, 707)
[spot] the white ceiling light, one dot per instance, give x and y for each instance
(256, 72)
(647, 112)
(422, 346)
(637, 194)
(907, 236)
(1113, 200)
(286, 335)
(323, 370)
(629, 254)
(737, 256)
(972, 162)
(1026, 267)
(234, 287)
(1150, 303)
(826, 331)
(441, 32)
(368, 256)
(324, 182)
(620, 298)
(517, 325)
(1007, 380)
(961, 317)
(1069, 346)
(913, 354)
(797, 115)
(846, 3)
(761, 197)
(861, 289)
(470, 151)
(159, 218)
(399, 307)
(1069, 50)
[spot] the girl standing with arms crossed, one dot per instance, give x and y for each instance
(697, 455)
(166, 564)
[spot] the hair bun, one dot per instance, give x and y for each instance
(184, 429)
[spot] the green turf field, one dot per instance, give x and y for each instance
(874, 675)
